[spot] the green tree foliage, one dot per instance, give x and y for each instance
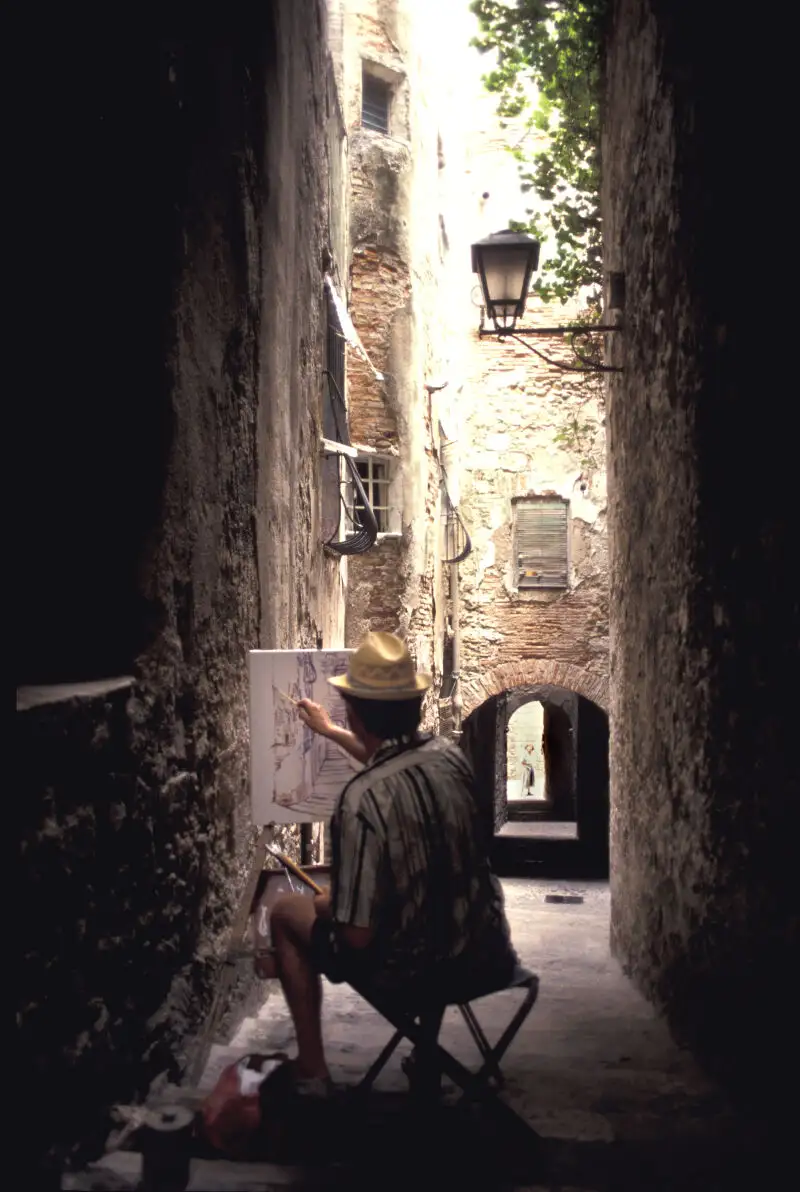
(558, 46)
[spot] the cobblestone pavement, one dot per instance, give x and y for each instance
(594, 1070)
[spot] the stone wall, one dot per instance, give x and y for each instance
(374, 588)
(171, 455)
(704, 602)
(397, 268)
(483, 741)
(518, 439)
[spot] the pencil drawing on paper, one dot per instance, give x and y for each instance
(296, 775)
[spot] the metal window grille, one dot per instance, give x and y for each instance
(375, 96)
(375, 480)
(541, 546)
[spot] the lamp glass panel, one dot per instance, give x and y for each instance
(505, 270)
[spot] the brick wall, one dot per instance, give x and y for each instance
(375, 582)
(373, 36)
(379, 286)
(516, 414)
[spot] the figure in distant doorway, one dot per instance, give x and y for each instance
(528, 772)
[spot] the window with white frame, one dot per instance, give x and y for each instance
(376, 478)
(541, 542)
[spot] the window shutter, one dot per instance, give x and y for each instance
(334, 410)
(374, 104)
(540, 543)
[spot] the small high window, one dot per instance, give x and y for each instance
(375, 99)
(541, 542)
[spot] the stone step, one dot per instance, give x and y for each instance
(122, 1172)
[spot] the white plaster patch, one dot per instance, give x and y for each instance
(513, 461)
(498, 516)
(582, 509)
(487, 560)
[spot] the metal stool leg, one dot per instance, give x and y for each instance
(367, 1081)
(473, 1088)
(422, 1066)
(507, 1037)
(490, 1069)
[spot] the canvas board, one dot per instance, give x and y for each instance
(296, 776)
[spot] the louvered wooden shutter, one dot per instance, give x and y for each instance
(540, 544)
(374, 104)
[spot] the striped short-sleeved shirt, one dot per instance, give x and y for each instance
(408, 862)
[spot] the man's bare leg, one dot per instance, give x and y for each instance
(290, 922)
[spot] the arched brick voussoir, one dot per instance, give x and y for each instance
(528, 672)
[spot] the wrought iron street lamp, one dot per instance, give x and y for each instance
(505, 263)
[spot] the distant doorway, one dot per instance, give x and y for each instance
(541, 765)
(540, 756)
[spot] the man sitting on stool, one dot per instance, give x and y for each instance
(413, 905)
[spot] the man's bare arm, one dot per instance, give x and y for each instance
(317, 718)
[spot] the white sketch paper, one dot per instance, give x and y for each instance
(296, 776)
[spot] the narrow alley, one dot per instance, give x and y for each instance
(431, 349)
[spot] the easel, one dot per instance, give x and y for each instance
(264, 848)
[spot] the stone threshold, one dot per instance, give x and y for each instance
(533, 830)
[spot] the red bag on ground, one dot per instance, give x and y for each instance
(233, 1114)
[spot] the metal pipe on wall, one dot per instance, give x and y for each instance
(450, 465)
(456, 701)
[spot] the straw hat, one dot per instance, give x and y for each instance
(382, 669)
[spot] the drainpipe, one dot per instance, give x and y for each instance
(456, 701)
(450, 464)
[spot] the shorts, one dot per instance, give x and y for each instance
(335, 960)
(363, 969)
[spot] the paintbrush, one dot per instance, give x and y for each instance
(289, 864)
(288, 698)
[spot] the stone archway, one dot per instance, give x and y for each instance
(528, 673)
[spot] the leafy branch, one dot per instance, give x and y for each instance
(581, 433)
(556, 45)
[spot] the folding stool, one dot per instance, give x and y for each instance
(430, 1060)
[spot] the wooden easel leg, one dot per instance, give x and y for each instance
(238, 928)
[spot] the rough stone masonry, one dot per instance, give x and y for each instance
(171, 449)
(517, 442)
(704, 624)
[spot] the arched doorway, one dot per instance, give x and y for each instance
(541, 761)
(574, 781)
